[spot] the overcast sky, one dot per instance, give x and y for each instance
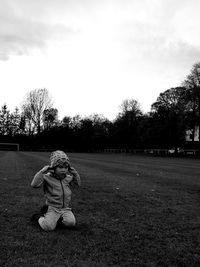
(93, 54)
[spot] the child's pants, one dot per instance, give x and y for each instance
(49, 221)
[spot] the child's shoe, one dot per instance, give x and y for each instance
(35, 217)
(44, 209)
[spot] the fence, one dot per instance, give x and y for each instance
(158, 152)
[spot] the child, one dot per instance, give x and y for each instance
(56, 181)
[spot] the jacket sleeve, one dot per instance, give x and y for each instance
(76, 177)
(37, 180)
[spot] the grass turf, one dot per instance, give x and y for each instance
(130, 211)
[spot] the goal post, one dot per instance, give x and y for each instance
(9, 146)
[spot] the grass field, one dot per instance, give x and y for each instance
(130, 211)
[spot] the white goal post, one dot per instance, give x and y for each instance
(9, 146)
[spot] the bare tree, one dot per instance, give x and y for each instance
(130, 111)
(34, 105)
(130, 105)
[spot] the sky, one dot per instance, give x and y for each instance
(91, 55)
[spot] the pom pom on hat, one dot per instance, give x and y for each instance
(58, 157)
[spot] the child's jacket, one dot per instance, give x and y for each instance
(57, 192)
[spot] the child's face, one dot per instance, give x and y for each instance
(61, 170)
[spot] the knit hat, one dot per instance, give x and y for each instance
(58, 157)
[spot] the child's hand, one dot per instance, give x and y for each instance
(76, 178)
(70, 169)
(45, 169)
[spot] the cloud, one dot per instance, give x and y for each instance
(20, 34)
(132, 31)
(186, 23)
(159, 34)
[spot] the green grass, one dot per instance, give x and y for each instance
(130, 211)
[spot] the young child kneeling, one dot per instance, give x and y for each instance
(56, 180)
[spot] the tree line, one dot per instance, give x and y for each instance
(175, 111)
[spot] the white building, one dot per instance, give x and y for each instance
(189, 135)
